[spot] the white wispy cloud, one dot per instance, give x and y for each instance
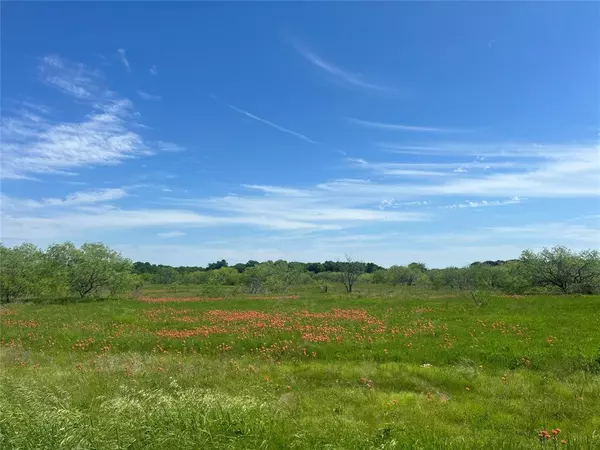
(12, 208)
(494, 241)
(36, 107)
(481, 150)
(393, 203)
(122, 55)
(402, 169)
(33, 143)
(146, 96)
(164, 146)
(75, 182)
(566, 232)
(339, 74)
(171, 234)
(74, 79)
(402, 127)
(86, 197)
(272, 124)
(287, 208)
(549, 171)
(360, 161)
(414, 173)
(12, 204)
(87, 222)
(41, 146)
(483, 203)
(278, 190)
(314, 209)
(153, 70)
(573, 174)
(277, 208)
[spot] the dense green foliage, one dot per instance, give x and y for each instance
(384, 368)
(27, 272)
(63, 270)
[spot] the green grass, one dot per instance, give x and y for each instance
(403, 370)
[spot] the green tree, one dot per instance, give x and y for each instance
(488, 277)
(418, 266)
(314, 267)
(275, 276)
(92, 269)
(217, 265)
(564, 269)
(195, 277)
(516, 280)
(366, 278)
(166, 275)
(450, 277)
(240, 267)
(402, 275)
(225, 276)
(255, 278)
(380, 276)
(21, 268)
(332, 266)
(372, 267)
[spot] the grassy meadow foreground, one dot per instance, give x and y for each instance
(402, 369)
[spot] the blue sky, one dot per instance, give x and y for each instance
(183, 133)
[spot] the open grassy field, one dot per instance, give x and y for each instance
(384, 370)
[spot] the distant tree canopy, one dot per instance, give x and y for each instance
(145, 268)
(95, 270)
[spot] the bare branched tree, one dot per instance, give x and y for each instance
(350, 270)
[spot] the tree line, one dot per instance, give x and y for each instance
(146, 268)
(93, 269)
